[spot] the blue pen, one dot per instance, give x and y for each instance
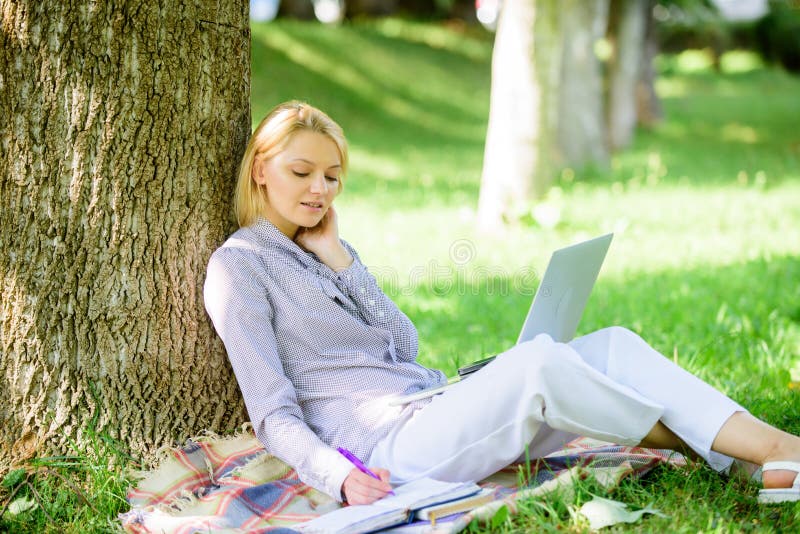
(360, 466)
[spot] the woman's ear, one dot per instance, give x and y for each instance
(258, 174)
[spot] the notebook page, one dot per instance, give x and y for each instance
(354, 519)
(427, 491)
(389, 511)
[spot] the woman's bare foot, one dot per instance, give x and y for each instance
(779, 479)
(782, 478)
(750, 439)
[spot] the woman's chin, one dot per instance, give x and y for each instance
(309, 222)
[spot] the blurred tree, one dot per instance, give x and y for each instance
(301, 9)
(546, 106)
(778, 34)
(461, 9)
(626, 34)
(581, 118)
(124, 126)
(521, 141)
(696, 24)
(648, 105)
(371, 7)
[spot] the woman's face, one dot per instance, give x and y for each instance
(301, 181)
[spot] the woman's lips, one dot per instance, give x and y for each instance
(315, 206)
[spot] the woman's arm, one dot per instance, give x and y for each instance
(376, 307)
(353, 279)
(236, 298)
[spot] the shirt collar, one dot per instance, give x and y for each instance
(268, 235)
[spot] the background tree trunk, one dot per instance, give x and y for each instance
(626, 30)
(581, 123)
(521, 152)
(124, 123)
(648, 105)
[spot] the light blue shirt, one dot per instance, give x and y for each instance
(317, 353)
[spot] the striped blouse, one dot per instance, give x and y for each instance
(317, 353)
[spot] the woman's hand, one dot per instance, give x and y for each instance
(360, 488)
(323, 240)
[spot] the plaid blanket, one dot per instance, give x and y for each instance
(232, 485)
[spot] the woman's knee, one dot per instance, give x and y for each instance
(542, 355)
(624, 340)
(619, 337)
(614, 341)
(627, 349)
(619, 332)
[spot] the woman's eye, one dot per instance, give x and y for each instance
(300, 174)
(332, 178)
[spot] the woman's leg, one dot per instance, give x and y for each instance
(628, 393)
(617, 352)
(486, 422)
(693, 410)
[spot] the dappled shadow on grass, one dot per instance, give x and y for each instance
(359, 73)
(718, 129)
(404, 102)
(415, 105)
(735, 326)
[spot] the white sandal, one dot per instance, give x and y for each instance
(776, 495)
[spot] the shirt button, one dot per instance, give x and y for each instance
(371, 302)
(362, 290)
(380, 314)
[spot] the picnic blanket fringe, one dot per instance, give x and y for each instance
(231, 484)
(166, 453)
(215, 461)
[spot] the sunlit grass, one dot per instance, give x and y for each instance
(415, 107)
(81, 492)
(705, 262)
(692, 61)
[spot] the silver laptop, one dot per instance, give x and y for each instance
(557, 306)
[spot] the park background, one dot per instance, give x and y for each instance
(705, 205)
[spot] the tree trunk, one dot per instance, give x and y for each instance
(626, 33)
(521, 152)
(648, 105)
(581, 128)
(124, 124)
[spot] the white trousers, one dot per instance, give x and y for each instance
(609, 385)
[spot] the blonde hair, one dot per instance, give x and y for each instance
(269, 139)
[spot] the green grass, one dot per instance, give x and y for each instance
(412, 98)
(705, 263)
(83, 491)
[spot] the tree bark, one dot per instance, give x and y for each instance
(626, 33)
(521, 152)
(124, 124)
(582, 124)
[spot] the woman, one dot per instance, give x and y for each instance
(318, 350)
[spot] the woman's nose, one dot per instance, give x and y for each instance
(318, 184)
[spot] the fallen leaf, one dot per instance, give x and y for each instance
(20, 505)
(605, 512)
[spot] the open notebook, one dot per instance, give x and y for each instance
(389, 511)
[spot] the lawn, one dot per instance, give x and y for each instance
(705, 207)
